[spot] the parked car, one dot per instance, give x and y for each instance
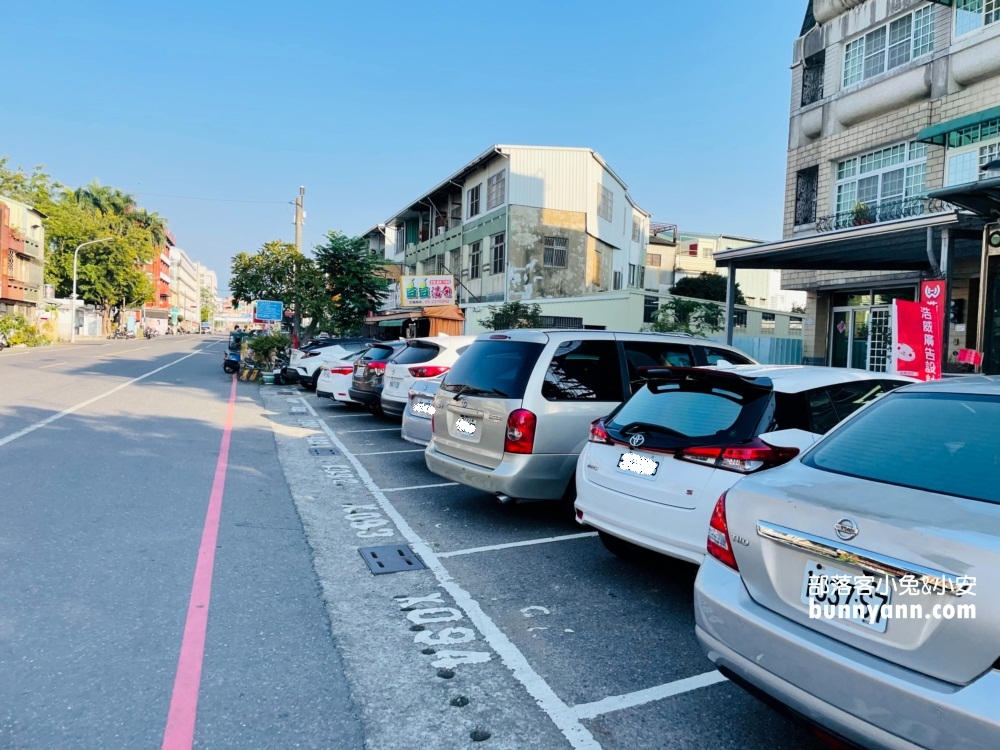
(368, 377)
(653, 469)
(512, 414)
(898, 505)
(420, 407)
(295, 354)
(335, 377)
(422, 358)
(308, 364)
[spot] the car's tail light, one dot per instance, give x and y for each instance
(598, 434)
(520, 432)
(376, 366)
(745, 459)
(719, 545)
(342, 370)
(431, 371)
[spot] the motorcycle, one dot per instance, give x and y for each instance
(3, 341)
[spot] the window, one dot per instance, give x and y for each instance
(794, 324)
(806, 189)
(892, 174)
(767, 324)
(639, 354)
(605, 204)
(636, 230)
(650, 305)
(494, 366)
(440, 266)
(400, 239)
(474, 201)
(555, 251)
(631, 274)
(970, 148)
(971, 15)
(714, 355)
(740, 320)
(812, 78)
(616, 280)
(584, 371)
(495, 188)
(890, 46)
(499, 248)
(475, 260)
(654, 260)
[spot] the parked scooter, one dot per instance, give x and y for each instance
(3, 341)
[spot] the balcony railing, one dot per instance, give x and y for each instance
(21, 291)
(874, 213)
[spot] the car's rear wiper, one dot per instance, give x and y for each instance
(475, 390)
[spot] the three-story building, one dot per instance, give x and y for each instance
(22, 258)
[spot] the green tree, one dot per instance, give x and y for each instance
(34, 187)
(353, 281)
(691, 316)
(513, 315)
(710, 286)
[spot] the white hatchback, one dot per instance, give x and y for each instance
(422, 358)
(653, 469)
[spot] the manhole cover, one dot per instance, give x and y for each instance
(322, 452)
(391, 559)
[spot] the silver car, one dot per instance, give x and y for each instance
(514, 412)
(857, 585)
(419, 409)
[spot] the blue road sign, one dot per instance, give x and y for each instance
(269, 309)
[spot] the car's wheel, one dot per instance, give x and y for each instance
(314, 382)
(230, 368)
(619, 547)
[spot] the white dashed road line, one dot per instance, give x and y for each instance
(508, 545)
(420, 487)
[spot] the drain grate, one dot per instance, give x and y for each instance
(322, 452)
(392, 559)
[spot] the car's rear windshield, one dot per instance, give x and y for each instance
(494, 368)
(380, 353)
(415, 353)
(680, 413)
(939, 442)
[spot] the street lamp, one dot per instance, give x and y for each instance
(72, 315)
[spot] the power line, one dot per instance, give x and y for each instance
(217, 200)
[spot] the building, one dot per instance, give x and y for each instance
(184, 291)
(894, 133)
(22, 258)
(521, 223)
(157, 312)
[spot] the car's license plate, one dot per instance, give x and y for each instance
(858, 598)
(419, 406)
(465, 426)
(394, 382)
(634, 463)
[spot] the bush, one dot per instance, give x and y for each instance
(18, 330)
(265, 348)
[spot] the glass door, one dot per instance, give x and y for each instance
(840, 338)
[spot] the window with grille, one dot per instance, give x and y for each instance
(605, 204)
(812, 78)
(474, 201)
(972, 15)
(632, 269)
(969, 149)
(616, 280)
(475, 260)
(636, 230)
(806, 192)
(555, 252)
(499, 245)
(890, 46)
(495, 189)
(767, 324)
(440, 266)
(891, 174)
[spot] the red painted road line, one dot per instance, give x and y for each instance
(179, 734)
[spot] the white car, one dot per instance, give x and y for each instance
(307, 365)
(422, 358)
(652, 470)
(334, 379)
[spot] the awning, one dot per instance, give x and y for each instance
(981, 197)
(938, 134)
(899, 245)
(398, 323)
(444, 312)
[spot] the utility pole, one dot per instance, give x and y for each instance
(300, 217)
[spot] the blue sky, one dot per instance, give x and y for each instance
(369, 105)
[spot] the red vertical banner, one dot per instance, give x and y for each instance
(932, 294)
(916, 340)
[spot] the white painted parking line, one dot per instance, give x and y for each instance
(380, 429)
(420, 487)
(366, 414)
(562, 715)
(528, 543)
(387, 453)
(54, 364)
(640, 697)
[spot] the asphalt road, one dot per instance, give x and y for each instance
(102, 512)
(520, 632)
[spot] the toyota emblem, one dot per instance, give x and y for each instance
(846, 528)
(636, 440)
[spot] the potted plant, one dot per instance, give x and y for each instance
(862, 213)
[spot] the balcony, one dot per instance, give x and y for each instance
(18, 291)
(11, 241)
(874, 213)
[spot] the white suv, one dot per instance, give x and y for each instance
(422, 358)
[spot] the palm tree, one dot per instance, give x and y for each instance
(153, 222)
(109, 201)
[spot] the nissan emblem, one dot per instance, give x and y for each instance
(846, 528)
